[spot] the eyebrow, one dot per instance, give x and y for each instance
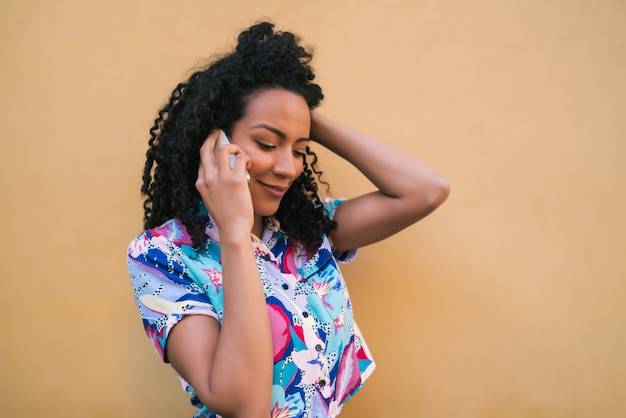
(278, 132)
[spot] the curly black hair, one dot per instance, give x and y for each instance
(216, 97)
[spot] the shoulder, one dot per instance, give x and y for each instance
(331, 205)
(164, 237)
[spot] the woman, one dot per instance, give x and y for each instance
(236, 275)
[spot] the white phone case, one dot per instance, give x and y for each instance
(224, 140)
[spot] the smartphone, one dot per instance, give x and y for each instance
(225, 140)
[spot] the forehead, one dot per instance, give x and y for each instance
(280, 108)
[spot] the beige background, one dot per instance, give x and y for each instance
(507, 302)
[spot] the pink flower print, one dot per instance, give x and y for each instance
(280, 412)
(138, 247)
(281, 336)
(258, 251)
(339, 322)
(361, 354)
(156, 338)
(292, 253)
(179, 235)
(161, 243)
(163, 230)
(299, 331)
(323, 289)
(215, 277)
(349, 375)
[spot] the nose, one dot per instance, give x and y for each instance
(285, 164)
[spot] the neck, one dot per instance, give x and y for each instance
(259, 226)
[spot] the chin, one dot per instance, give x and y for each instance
(266, 210)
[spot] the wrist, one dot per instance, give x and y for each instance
(317, 127)
(235, 241)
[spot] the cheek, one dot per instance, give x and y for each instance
(299, 166)
(258, 162)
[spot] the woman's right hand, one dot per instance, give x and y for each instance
(224, 190)
(229, 365)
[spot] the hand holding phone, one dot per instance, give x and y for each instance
(225, 140)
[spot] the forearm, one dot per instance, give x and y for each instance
(408, 189)
(394, 172)
(240, 378)
(229, 365)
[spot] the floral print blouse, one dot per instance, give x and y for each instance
(320, 358)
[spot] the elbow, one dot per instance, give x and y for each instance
(431, 197)
(238, 406)
(438, 192)
(423, 197)
(234, 397)
(442, 191)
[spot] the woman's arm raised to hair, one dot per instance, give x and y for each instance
(230, 368)
(408, 189)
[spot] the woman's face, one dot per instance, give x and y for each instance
(274, 132)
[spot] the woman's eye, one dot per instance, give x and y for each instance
(299, 154)
(265, 146)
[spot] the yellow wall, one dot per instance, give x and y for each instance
(507, 302)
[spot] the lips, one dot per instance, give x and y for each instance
(275, 191)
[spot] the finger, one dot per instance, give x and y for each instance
(200, 181)
(239, 162)
(206, 150)
(206, 167)
(225, 156)
(228, 152)
(242, 161)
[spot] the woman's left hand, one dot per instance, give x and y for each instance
(408, 188)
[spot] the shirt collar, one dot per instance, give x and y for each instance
(272, 227)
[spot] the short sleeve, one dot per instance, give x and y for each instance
(330, 206)
(163, 287)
